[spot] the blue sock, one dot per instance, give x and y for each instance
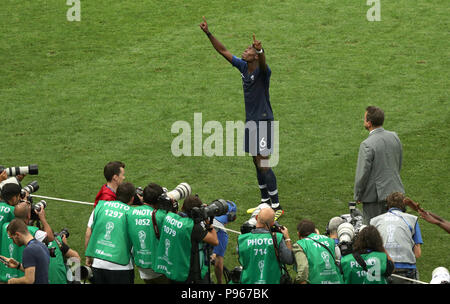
(262, 186)
(271, 182)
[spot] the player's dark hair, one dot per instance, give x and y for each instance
(112, 168)
(375, 116)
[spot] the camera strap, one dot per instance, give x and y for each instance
(155, 227)
(360, 260)
(277, 253)
(328, 249)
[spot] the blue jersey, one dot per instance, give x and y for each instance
(256, 91)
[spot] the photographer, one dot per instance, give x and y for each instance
(8, 248)
(59, 252)
(260, 260)
(331, 231)
(178, 256)
(11, 193)
(11, 197)
(108, 247)
(141, 221)
(315, 257)
(36, 257)
(222, 236)
(26, 212)
(402, 237)
(114, 173)
(369, 263)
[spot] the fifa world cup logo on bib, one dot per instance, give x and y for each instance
(142, 236)
(109, 229)
(326, 259)
(11, 250)
(261, 269)
(167, 244)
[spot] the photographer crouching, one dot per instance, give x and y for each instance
(142, 222)
(179, 257)
(263, 252)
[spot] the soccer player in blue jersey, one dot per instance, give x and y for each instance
(259, 118)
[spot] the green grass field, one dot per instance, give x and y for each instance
(76, 95)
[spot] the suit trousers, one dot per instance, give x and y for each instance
(373, 209)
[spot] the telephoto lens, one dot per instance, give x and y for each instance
(345, 231)
(30, 188)
(180, 192)
(14, 171)
(217, 208)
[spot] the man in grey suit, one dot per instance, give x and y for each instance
(378, 168)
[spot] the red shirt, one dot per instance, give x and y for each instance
(105, 194)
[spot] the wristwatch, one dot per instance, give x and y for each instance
(260, 51)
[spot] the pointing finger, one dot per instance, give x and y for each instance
(254, 38)
(204, 19)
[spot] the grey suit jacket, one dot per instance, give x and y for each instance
(378, 168)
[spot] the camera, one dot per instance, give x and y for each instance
(247, 227)
(37, 208)
(216, 208)
(236, 274)
(14, 171)
(180, 192)
(85, 273)
(348, 230)
(345, 232)
(276, 227)
(30, 188)
(64, 232)
(356, 217)
(137, 200)
(250, 224)
(169, 200)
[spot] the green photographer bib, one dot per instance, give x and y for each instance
(258, 259)
(57, 272)
(6, 213)
(11, 250)
(173, 254)
(142, 234)
(322, 268)
(109, 240)
(376, 268)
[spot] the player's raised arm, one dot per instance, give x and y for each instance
(260, 51)
(220, 48)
